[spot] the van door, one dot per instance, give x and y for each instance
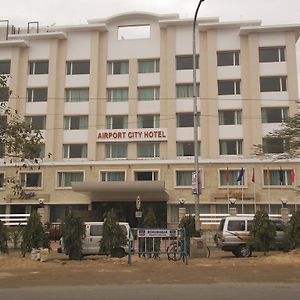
(95, 236)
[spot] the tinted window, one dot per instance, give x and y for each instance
(4, 67)
(96, 230)
(236, 225)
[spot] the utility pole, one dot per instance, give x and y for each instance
(196, 121)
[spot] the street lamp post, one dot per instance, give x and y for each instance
(196, 120)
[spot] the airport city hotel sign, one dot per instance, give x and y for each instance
(132, 135)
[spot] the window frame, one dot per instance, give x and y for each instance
(286, 178)
(36, 64)
(238, 146)
(32, 119)
(74, 64)
(268, 112)
(235, 55)
(114, 65)
(24, 180)
(144, 70)
(67, 149)
(70, 120)
(105, 174)
(235, 120)
(154, 97)
(266, 84)
(109, 150)
(8, 67)
(69, 98)
(60, 178)
(185, 62)
(279, 54)
(31, 97)
(155, 121)
(232, 174)
(234, 90)
(154, 174)
(186, 90)
(113, 98)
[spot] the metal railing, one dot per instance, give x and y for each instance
(14, 219)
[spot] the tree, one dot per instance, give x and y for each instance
(3, 238)
(20, 142)
(288, 135)
(33, 235)
(113, 236)
(73, 233)
(152, 244)
(263, 232)
(293, 231)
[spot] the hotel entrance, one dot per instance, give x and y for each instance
(121, 196)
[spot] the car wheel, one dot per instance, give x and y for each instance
(118, 252)
(244, 251)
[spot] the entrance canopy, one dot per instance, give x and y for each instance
(122, 190)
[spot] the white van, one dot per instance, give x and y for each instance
(94, 234)
(234, 235)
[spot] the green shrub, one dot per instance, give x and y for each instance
(113, 236)
(73, 232)
(33, 235)
(15, 234)
(3, 238)
(293, 231)
(263, 232)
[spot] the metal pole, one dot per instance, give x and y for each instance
(196, 120)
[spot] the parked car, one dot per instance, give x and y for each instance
(234, 235)
(94, 234)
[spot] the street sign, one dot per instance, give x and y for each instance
(138, 214)
(157, 233)
(138, 202)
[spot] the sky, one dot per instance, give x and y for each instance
(67, 12)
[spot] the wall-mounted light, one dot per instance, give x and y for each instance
(232, 202)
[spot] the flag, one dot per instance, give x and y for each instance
(227, 176)
(253, 176)
(281, 176)
(292, 176)
(241, 175)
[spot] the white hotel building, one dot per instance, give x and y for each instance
(113, 99)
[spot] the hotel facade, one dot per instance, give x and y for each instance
(114, 101)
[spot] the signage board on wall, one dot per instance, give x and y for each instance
(132, 135)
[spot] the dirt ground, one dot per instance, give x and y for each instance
(16, 271)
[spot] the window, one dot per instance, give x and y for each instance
(229, 177)
(272, 54)
(148, 121)
(186, 90)
(32, 180)
(77, 95)
(78, 67)
(186, 62)
(236, 225)
(229, 87)
(148, 150)
(5, 67)
(113, 176)
(274, 114)
(133, 32)
(75, 151)
(231, 147)
(37, 95)
(117, 67)
(65, 179)
(116, 150)
(183, 178)
(3, 121)
(117, 95)
(228, 58)
(185, 120)
(146, 175)
(148, 66)
(37, 122)
(116, 122)
(38, 67)
(96, 230)
(230, 117)
(277, 177)
(76, 122)
(148, 93)
(186, 148)
(274, 145)
(273, 84)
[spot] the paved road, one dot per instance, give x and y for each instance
(222, 291)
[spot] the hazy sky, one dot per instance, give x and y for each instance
(63, 12)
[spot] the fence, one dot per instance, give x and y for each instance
(14, 219)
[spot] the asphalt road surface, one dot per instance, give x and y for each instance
(222, 291)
